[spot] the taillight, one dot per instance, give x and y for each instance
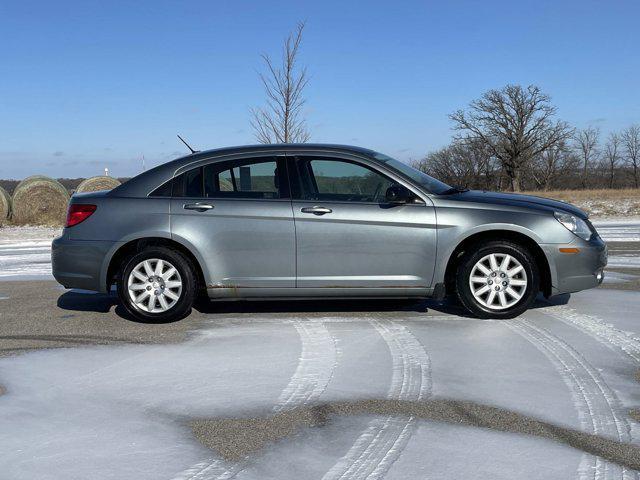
(78, 213)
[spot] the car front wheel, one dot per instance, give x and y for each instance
(157, 285)
(497, 279)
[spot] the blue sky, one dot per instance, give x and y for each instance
(89, 84)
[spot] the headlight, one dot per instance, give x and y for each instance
(574, 224)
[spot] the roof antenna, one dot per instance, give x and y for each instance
(188, 146)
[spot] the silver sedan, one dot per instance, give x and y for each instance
(308, 221)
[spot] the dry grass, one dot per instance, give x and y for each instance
(600, 203)
(577, 195)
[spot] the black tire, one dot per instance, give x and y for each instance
(182, 307)
(477, 252)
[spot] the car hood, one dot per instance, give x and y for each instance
(519, 200)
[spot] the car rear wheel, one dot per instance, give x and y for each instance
(497, 279)
(157, 285)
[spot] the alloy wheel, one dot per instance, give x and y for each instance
(498, 281)
(154, 285)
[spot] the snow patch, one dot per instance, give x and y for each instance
(619, 231)
(624, 261)
(612, 277)
(117, 412)
(27, 258)
(596, 404)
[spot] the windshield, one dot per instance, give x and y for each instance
(429, 183)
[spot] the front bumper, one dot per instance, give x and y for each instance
(81, 263)
(572, 272)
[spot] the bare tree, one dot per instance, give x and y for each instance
(611, 155)
(552, 163)
(586, 143)
(465, 164)
(630, 138)
(515, 123)
(282, 120)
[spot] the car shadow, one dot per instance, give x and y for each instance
(83, 301)
(206, 306)
(86, 301)
(448, 306)
(542, 302)
(451, 306)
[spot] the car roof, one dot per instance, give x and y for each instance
(144, 183)
(280, 147)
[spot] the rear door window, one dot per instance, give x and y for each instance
(193, 183)
(258, 179)
(262, 178)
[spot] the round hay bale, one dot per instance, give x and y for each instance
(95, 184)
(28, 180)
(5, 205)
(40, 200)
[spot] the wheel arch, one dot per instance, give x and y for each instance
(137, 245)
(490, 235)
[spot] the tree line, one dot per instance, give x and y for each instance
(509, 139)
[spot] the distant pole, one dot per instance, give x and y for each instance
(143, 167)
(106, 172)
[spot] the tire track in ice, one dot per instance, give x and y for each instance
(315, 369)
(596, 404)
(382, 442)
(598, 329)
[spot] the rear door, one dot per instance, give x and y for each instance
(349, 236)
(237, 215)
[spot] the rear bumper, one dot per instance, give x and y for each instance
(81, 263)
(573, 272)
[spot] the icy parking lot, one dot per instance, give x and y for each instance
(317, 390)
(407, 394)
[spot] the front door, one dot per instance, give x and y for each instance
(237, 215)
(348, 236)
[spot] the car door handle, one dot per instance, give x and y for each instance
(316, 210)
(198, 207)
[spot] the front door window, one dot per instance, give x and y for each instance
(335, 180)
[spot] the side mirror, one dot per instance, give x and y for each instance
(397, 194)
